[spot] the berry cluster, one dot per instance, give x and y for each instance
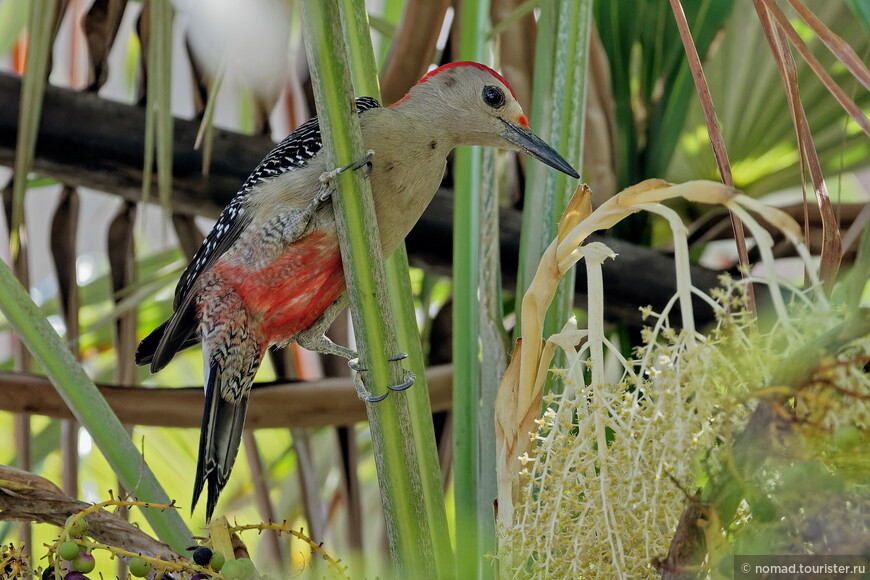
(79, 556)
(72, 555)
(74, 559)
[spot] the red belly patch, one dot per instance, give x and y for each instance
(292, 291)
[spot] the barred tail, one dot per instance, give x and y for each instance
(219, 439)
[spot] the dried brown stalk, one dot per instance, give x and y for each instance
(832, 251)
(715, 132)
(853, 109)
(413, 47)
(835, 44)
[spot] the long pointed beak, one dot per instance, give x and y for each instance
(537, 148)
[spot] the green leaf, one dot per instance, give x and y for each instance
(40, 28)
(90, 409)
(669, 113)
(474, 25)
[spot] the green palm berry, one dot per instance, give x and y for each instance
(217, 561)
(78, 529)
(240, 569)
(139, 567)
(69, 550)
(84, 563)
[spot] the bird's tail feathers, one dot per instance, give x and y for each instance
(222, 423)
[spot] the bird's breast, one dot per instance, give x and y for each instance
(291, 291)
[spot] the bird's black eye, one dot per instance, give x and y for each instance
(493, 96)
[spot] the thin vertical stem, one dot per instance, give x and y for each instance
(715, 132)
(532, 241)
(21, 358)
(158, 98)
(567, 129)
(260, 485)
(559, 110)
(43, 14)
(473, 26)
(493, 344)
(23, 451)
(832, 251)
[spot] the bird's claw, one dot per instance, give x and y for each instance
(326, 178)
(374, 399)
(406, 384)
(366, 161)
(363, 391)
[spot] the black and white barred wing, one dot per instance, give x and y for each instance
(293, 153)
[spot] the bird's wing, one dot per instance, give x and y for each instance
(179, 332)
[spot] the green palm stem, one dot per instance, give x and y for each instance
(407, 522)
(547, 193)
(532, 238)
(494, 349)
(567, 124)
(365, 81)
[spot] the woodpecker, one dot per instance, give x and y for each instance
(269, 272)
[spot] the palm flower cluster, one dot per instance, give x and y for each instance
(759, 429)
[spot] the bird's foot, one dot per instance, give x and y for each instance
(363, 391)
(327, 177)
(314, 340)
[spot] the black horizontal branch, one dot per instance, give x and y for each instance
(85, 140)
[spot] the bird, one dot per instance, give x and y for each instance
(269, 273)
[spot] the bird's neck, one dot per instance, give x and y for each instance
(409, 161)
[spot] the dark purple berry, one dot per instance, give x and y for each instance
(200, 577)
(48, 573)
(202, 556)
(75, 576)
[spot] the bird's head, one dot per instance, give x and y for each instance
(483, 110)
